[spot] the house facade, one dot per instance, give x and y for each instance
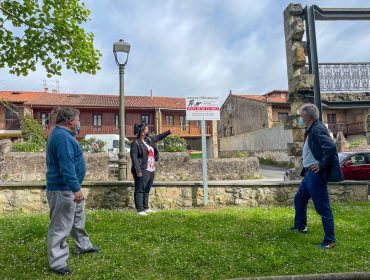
(242, 113)
(12, 105)
(99, 114)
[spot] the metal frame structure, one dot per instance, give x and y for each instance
(312, 13)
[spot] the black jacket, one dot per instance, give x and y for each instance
(324, 150)
(139, 152)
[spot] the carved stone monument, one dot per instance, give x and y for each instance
(300, 82)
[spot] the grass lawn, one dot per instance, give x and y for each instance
(192, 244)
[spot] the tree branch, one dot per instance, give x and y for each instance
(2, 24)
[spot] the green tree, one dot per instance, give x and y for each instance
(47, 32)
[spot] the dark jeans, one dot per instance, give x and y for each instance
(143, 185)
(314, 185)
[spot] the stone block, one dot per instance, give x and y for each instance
(299, 57)
(360, 192)
(293, 10)
(302, 83)
(298, 134)
(300, 70)
(295, 149)
(5, 146)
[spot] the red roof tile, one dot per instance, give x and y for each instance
(20, 96)
(262, 98)
(95, 100)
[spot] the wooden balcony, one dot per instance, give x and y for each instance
(100, 129)
(182, 131)
(187, 131)
(348, 128)
(10, 124)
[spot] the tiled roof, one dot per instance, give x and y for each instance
(95, 100)
(262, 98)
(19, 96)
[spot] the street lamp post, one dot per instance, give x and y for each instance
(121, 47)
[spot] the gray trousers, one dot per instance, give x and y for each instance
(66, 217)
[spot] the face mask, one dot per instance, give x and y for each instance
(301, 121)
(77, 129)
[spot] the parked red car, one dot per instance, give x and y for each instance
(355, 165)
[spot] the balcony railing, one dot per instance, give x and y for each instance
(347, 128)
(101, 129)
(339, 77)
(10, 124)
(186, 131)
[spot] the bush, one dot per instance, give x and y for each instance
(32, 131)
(32, 135)
(172, 143)
(357, 143)
(27, 147)
(92, 145)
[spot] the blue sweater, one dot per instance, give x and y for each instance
(65, 161)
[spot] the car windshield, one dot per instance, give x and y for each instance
(342, 156)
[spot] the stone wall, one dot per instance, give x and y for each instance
(179, 166)
(32, 167)
(31, 197)
(268, 139)
(171, 166)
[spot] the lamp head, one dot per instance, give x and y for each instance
(121, 47)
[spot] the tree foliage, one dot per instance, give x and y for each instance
(172, 143)
(47, 32)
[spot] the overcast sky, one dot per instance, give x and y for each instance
(198, 47)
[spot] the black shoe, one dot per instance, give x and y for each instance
(63, 271)
(91, 250)
(303, 231)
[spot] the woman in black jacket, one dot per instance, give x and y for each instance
(144, 154)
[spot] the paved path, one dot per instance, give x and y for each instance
(272, 173)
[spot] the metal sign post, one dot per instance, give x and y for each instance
(203, 108)
(204, 162)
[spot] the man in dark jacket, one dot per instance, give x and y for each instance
(320, 165)
(66, 170)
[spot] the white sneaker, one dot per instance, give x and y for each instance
(149, 211)
(142, 213)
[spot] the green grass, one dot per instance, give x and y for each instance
(196, 155)
(192, 244)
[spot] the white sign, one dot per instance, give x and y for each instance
(202, 108)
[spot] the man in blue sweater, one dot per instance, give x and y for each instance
(66, 170)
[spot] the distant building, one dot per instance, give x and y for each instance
(242, 113)
(99, 114)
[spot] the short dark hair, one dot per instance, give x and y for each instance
(138, 128)
(65, 114)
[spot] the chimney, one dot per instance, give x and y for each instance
(151, 94)
(46, 90)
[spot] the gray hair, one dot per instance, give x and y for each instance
(310, 110)
(66, 114)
